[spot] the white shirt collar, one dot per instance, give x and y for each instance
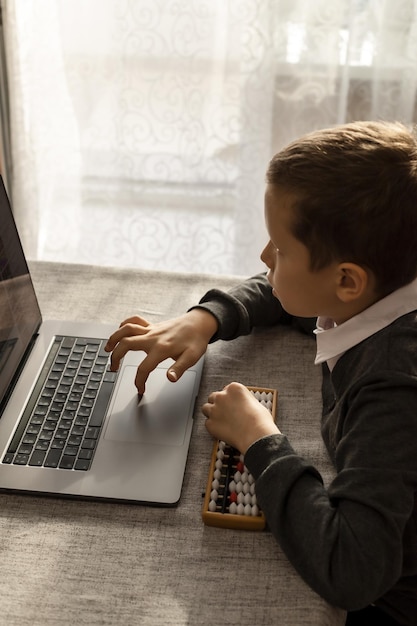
(333, 341)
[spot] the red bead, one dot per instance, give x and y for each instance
(233, 496)
(240, 467)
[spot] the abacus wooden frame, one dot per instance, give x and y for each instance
(231, 520)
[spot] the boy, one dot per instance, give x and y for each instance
(341, 214)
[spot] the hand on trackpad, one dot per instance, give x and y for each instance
(161, 416)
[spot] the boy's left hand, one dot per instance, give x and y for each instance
(235, 416)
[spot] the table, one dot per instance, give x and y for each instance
(77, 562)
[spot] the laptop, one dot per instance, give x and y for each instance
(69, 426)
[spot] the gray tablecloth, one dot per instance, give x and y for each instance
(76, 562)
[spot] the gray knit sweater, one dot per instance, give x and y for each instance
(354, 543)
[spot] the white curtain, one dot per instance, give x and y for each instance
(141, 129)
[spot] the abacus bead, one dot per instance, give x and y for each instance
(239, 487)
(240, 466)
(251, 479)
(240, 509)
(240, 498)
(254, 500)
(248, 509)
(214, 495)
(244, 478)
(217, 474)
(246, 487)
(252, 488)
(237, 477)
(219, 464)
(220, 454)
(247, 498)
(215, 484)
(233, 508)
(233, 497)
(222, 445)
(212, 506)
(255, 510)
(232, 486)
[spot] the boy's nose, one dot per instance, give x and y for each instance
(266, 255)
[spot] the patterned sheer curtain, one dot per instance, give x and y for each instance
(140, 130)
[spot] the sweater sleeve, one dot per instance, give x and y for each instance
(347, 541)
(248, 305)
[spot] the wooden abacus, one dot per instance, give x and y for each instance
(230, 498)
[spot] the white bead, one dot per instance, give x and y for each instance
(215, 484)
(255, 511)
(240, 509)
(219, 464)
(233, 508)
(212, 506)
(247, 498)
(232, 486)
(246, 487)
(237, 477)
(240, 498)
(214, 495)
(239, 487)
(220, 454)
(217, 474)
(248, 509)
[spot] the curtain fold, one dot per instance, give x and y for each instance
(141, 131)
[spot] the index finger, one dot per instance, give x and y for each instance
(186, 359)
(126, 330)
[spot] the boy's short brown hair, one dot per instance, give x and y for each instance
(357, 197)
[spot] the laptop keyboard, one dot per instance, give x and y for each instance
(61, 425)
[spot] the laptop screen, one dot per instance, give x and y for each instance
(20, 316)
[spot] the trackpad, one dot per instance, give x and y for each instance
(161, 417)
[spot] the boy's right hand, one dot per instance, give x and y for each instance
(184, 339)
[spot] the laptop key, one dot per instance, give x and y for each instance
(82, 464)
(21, 459)
(71, 451)
(57, 444)
(67, 462)
(85, 454)
(25, 449)
(52, 458)
(89, 444)
(68, 342)
(42, 445)
(92, 432)
(30, 439)
(37, 458)
(101, 405)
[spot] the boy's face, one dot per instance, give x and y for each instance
(301, 292)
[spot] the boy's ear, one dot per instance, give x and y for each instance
(352, 282)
